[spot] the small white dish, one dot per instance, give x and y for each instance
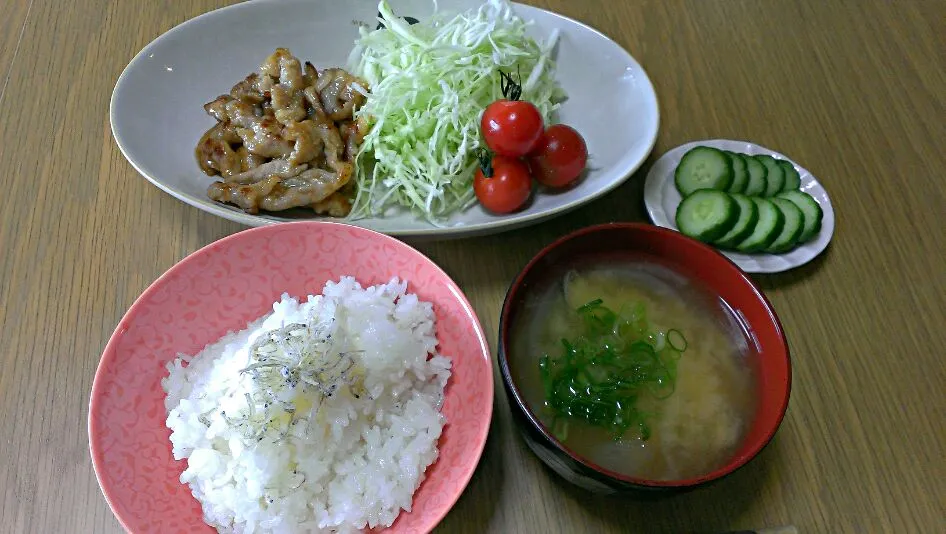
(662, 198)
(157, 105)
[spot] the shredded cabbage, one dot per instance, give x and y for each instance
(429, 84)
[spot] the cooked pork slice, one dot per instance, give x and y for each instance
(290, 74)
(281, 65)
(306, 189)
(288, 105)
(310, 74)
(248, 161)
(215, 151)
(246, 196)
(286, 137)
(337, 92)
(336, 205)
(270, 66)
(217, 108)
(248, 90)
(261, 135)
(307, 141)
(332, 144)
(352, 136)
(312, 98)
(280, 168)
(273, 193)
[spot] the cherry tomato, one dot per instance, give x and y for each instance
(511, 127)
(560, 157)
(504, 186)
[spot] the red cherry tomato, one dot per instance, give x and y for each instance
(560, 158)
(511, 127)
(504, 186)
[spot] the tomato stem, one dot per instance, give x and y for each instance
(486, 162)
(512, 89)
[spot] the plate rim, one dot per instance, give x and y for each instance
(656, 182)
(97, 389)
(445, 232)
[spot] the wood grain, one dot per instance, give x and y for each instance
(855, 90)
(11, 35)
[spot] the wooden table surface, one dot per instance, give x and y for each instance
(854, 90)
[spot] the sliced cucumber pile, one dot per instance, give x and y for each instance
(707, 214)
(811, 212)
(792, 178)
(746, 203)
(740, 173)
(791, 229)
(704, 167)
(745, 224)
(766, 231)
(774, 176)
(757, 179)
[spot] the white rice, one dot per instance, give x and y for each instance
(359, 461)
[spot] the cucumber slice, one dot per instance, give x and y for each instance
(792, 178)
(707, 215)
(791, 230)
(766, 229)
(758, 180)
(810, 209)
(740, 174)
(775, 176)
(745, 224)
(703, 167)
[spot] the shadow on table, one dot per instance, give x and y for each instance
(485, 489)
(715, 508)
(789, 278)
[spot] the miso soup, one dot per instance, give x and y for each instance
(636, 368)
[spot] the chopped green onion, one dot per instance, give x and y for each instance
(599, 375)
(675, 335)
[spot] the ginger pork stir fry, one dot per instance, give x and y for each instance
(285, 138)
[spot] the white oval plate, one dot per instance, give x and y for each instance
(157, 106)
(662, 198)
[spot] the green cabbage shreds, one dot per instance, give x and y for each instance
(429, 84)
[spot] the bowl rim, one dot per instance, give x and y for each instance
(110, 350)
(732, 465)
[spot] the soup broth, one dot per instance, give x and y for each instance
(680, 413)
